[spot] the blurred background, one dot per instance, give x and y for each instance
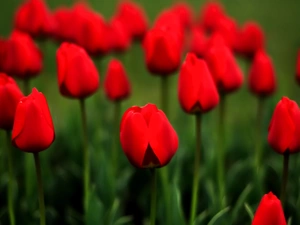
(125, 199)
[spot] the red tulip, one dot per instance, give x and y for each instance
(133, 18)
(210, 15)
(298, 67)
(21, 57)
(284, 129)
(225, 70)
(10, 95)
(227, 28)
(198, 42)
(196, 89)
(262, 80)
(33, 129)
(162, 51)
(250, 39)
(77, 75)
(269, 211)
(116, 84)
(184, 13)
(147, 137)
(120, 38)
(34, 18)
(63, 31)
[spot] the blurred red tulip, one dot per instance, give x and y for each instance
(196, 88)
(198, 42)
(262, 80)
(284, 129)
(10, 95)
(134, 19)
(225, 70)
(297, 67)
(33, 129)
(34, 18)
(185, 14)
(77, 75)
(210, 15)
(119, 37)
(227, 28)
(162, 51)
(269, 211)
(147, 137)
(116, 84)
(63, 31)
(250, 38)
(21, 57)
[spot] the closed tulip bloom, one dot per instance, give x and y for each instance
(225, 70)
(227, 28)
(77, 75)
(63, 18)
(198, 42)
(134, 19)
(10, 95)
(162, 51)
(196, 88)
(284, 128)
(210, 15)
(184, 13)
(298, 67)
(250, 39)
(262, 80)
(21, 57)
(116, 84)
(119, 36)
(33, 129)
(147, 137)
(269, 211)
(34, 18)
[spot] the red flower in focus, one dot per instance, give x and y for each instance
(120, 38)
(21, 57)
(162, 51)
(225, 70)
(262, 80)
(34, 18)
(297, 67)
(147, 137)
(198, 42)
(33, 129)
(250, 39)
(269, 211)
(77, 75)
(196, 88)
(210, 15)
(116, 84)
(133, 18)
(284, 129)
(10, 95)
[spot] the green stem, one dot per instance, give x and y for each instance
(86, 161)
(285, 173)
(258, 138)
(165, 94)
(153, 197)
(10, 197)
(115, 152)
(40, 188)
(221, 153)
(196, 170)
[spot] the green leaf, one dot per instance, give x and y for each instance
(289, 221)
(177, 215)
(201, 217)
(249, 211)
(218, 216)
(95, 211)
(123, 220)
(112, 214)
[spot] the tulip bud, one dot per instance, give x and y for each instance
(284, 128)
(196, 88)
(34, 18)
(63, 31)
(269, 211)
(33, 129)
(262, 80)
(184, 13)
(21, 57)
(120, 38)
(227, 28)
(77, 75)
(10, 95)
(198, 42)
(147, 137)
(298, 67)
(210, 15)
(116, 84)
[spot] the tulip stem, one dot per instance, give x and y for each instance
(10, 197)
(153, 197)
(258, 139)
(165, 94)
(115, 152)
(86, 162)
(220, 153)
(40, 188)
(285, 173)
(196, 170)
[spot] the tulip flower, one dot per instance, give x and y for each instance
(298, 67)
(284, 134)
(10, 95)
(120, 38)
(227, 28)
(184, 13)
(198, 42)
(33, 132)
(210, 15)
(34, 18)
(250, 38)
(269, 211)
(77, 74)
(134, 19)
(63, 31)
(197, 94)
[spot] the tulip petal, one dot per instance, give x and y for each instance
(147, 111)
